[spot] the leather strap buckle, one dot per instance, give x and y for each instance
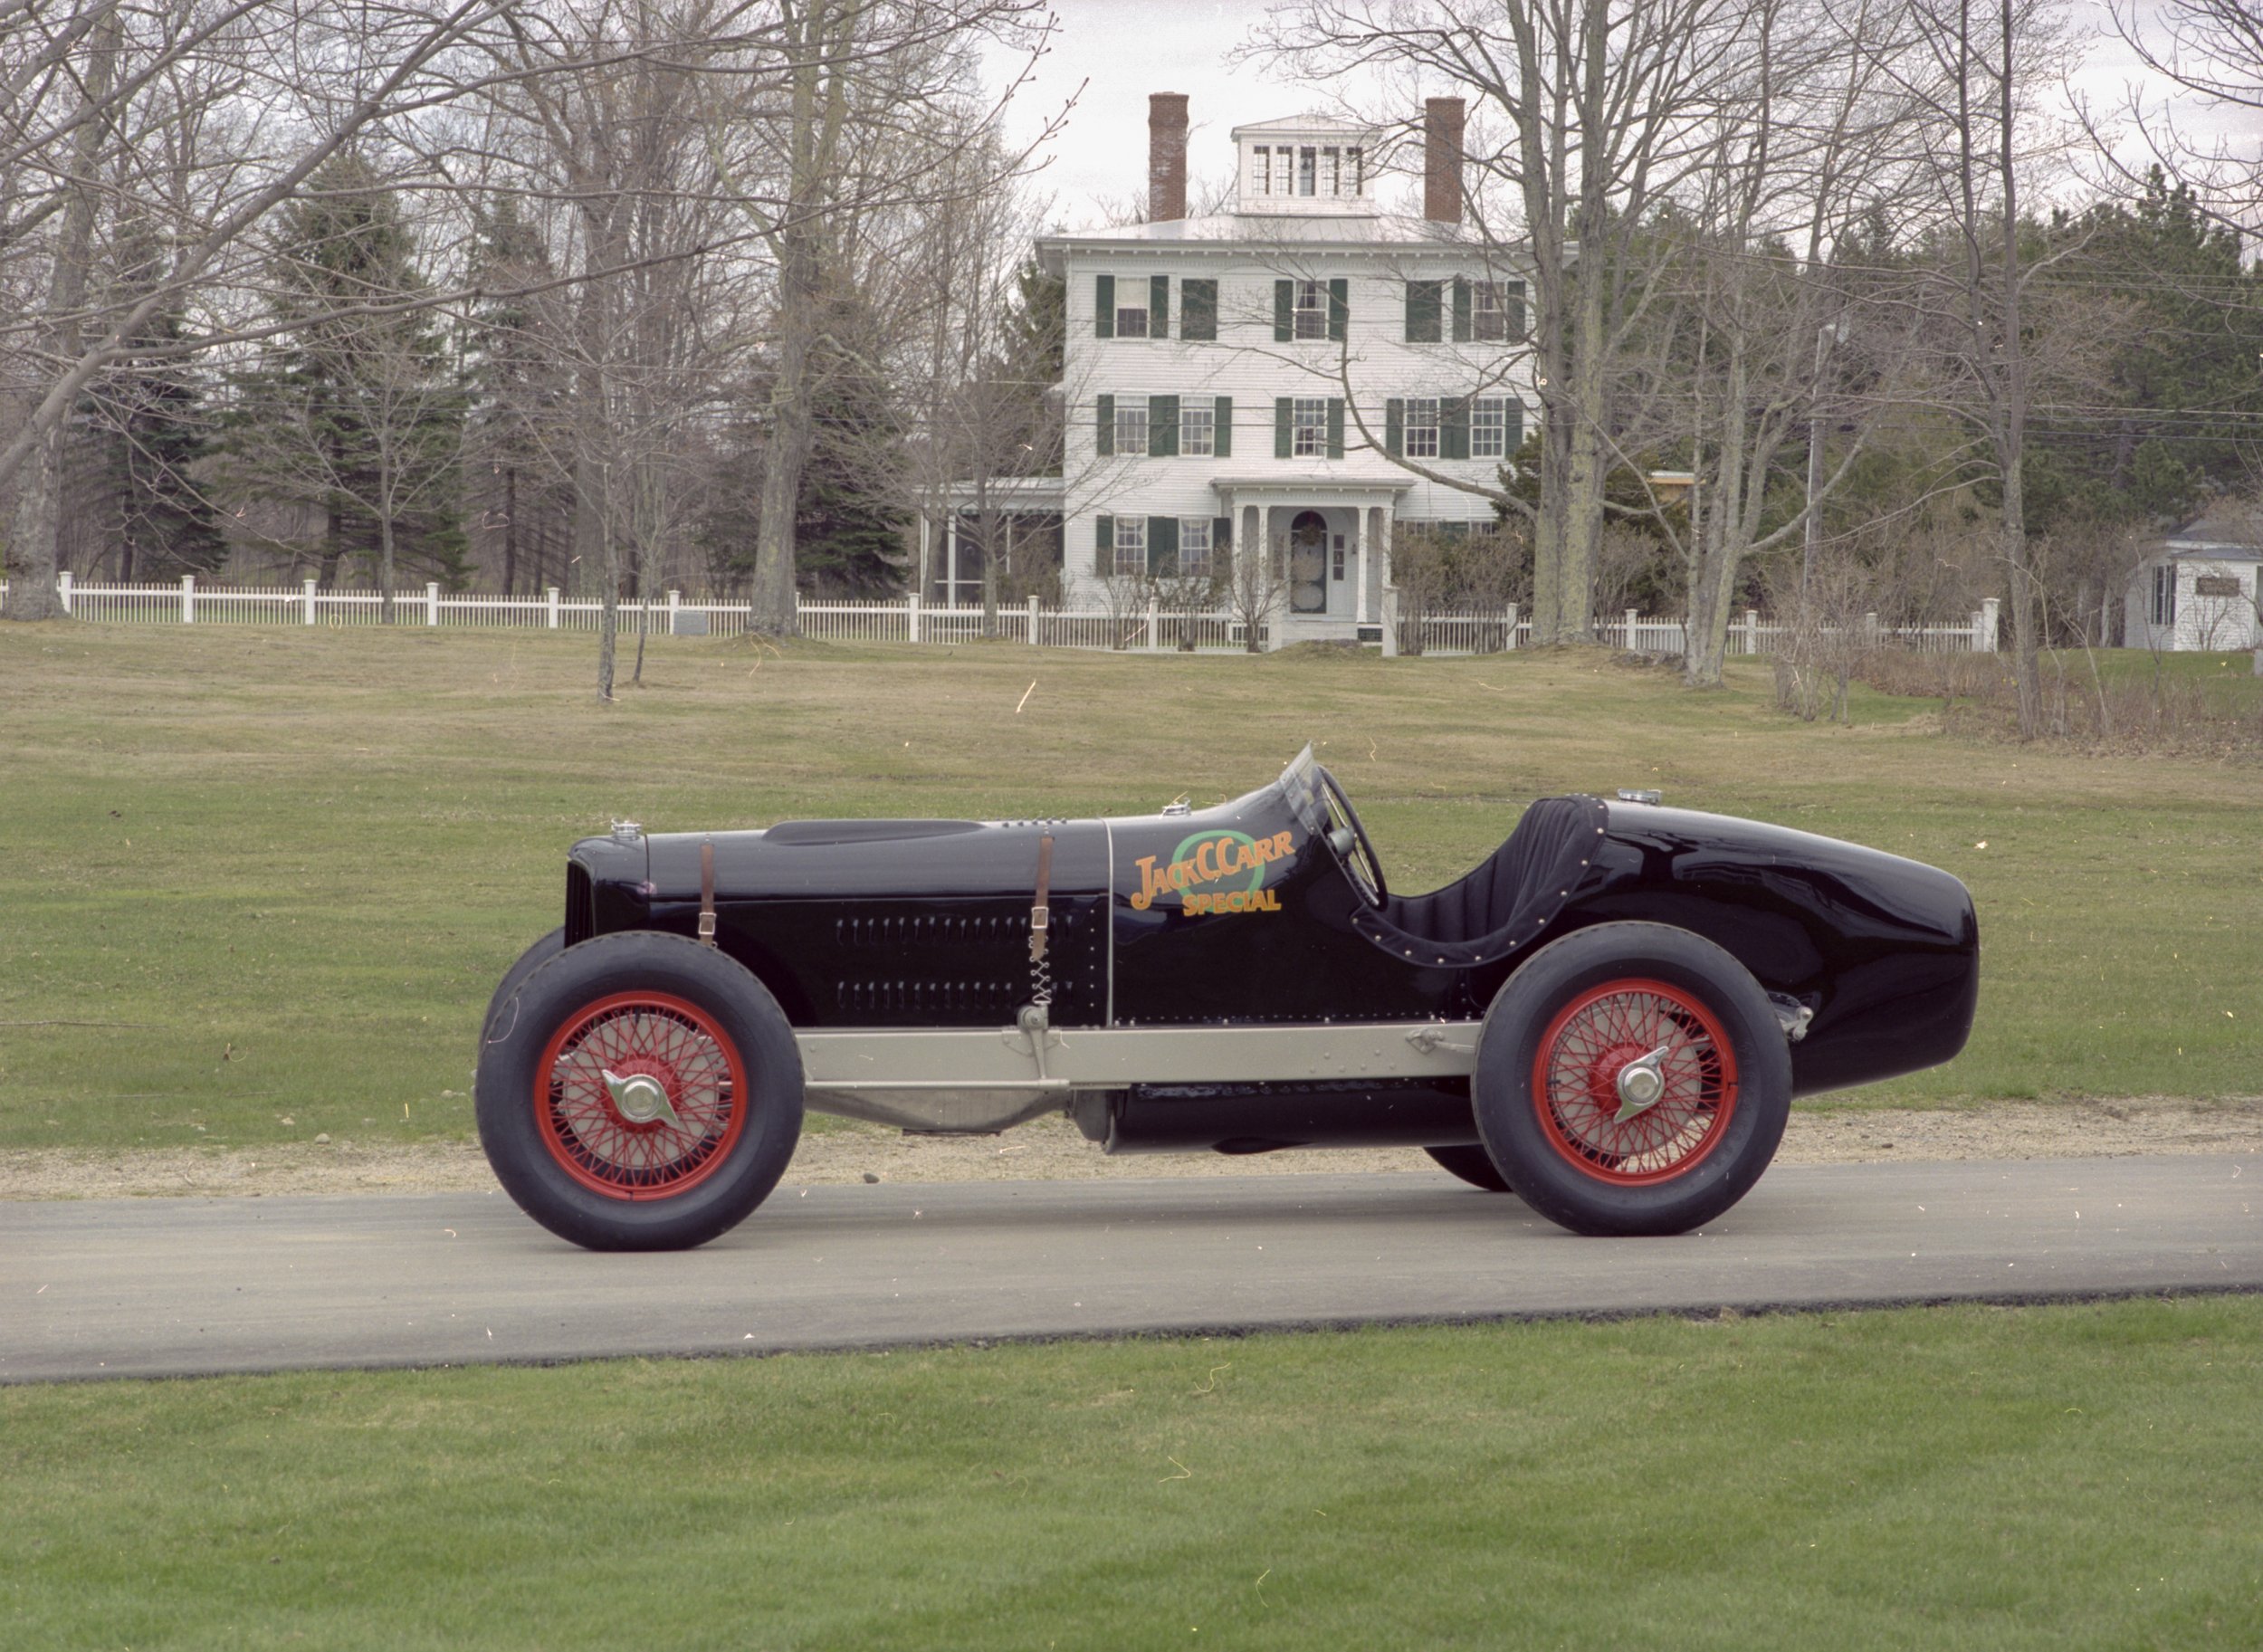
(707, 893)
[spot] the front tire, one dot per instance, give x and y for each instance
(1632, 1079)
(647, 1094)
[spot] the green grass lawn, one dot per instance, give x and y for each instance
(258, 884)
(2048, 1478)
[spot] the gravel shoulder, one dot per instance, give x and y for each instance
(1051, 1150)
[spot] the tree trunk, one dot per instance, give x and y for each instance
(385, 560)
(39, 511)
(609, 587)
(774, 611)
(510, 531)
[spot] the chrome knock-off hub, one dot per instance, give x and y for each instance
(640, 1099)
(1641, 1083)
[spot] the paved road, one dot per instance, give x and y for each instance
(160, 1287)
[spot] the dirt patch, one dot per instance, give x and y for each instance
(1051, 1150)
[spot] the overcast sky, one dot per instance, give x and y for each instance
(1120, 50)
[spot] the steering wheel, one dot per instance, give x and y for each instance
(1349, 839)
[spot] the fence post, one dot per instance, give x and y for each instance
(1870, 629)
(431, 602)
(189, 599)
(1627, 642)
(309, 589)
(62, 589)
(911, 615)
(675, 601)
(1508, 642)
(1389, 606)
(1154, 636)
(1751, 631)
(1985, 634)
(553, 607)
(1033, 620)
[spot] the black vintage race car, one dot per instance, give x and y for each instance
(1610, 1015)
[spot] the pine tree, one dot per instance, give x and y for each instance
(519, 391)
(355, 414)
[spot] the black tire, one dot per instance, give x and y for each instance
(514, 978)
(713, 1043)
(1473, 1164)
(1564, 1132)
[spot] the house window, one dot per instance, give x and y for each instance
(1331, 166)
(1194, 546)
(1422, 427)
(1307, 165)
(1489, 427)
(1309, 426)
(1311, 310)
(1357, 171)
(1131, 424)
(1261, 169)
(2164, 594)
(1131, 307)
(1197, 428)
(1132, 547)
(1489, 311)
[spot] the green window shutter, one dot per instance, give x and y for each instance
(1221, 535)
(1513, 438)
(1224, 435)
(1162, 544)
(1163, 426)
(1463, 327)
(1395, 425)
(1339, 308)
(1159, 306)
(1513, 300)
(1282, 413)
(1453, 427)
(1335, 428)
(1197, 309)
(1105, 546)
(1104, 442)
(1104, 306)
(1284, 311)
(1422, 313)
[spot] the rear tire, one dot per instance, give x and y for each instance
(1632, 1079)
(1473, 1164)
(646, 1095)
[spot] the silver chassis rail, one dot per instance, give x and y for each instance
(979, 1081)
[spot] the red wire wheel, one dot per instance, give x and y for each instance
(640, 1095)
(1635, 1081)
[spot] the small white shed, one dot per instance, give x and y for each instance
(2197, 591)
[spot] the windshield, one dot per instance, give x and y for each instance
(1300, 785)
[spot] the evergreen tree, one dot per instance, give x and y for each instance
(519, 390)
(354, 415)
(140, 431)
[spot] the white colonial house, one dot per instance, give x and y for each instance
(1234, 385)
(2196, 591)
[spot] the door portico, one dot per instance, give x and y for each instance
(1327, 543)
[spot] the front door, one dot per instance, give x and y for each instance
(1308, 563)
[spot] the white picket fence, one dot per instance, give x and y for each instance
(1498, 631)
(908, 620)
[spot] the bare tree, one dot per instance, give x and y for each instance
(392, 60)
(1591, 114)
(1985, 62)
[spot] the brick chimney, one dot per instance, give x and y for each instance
(1167, 156)
(1442, 160)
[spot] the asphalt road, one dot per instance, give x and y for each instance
(171, 1287)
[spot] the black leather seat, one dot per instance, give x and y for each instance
(1504, 903)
